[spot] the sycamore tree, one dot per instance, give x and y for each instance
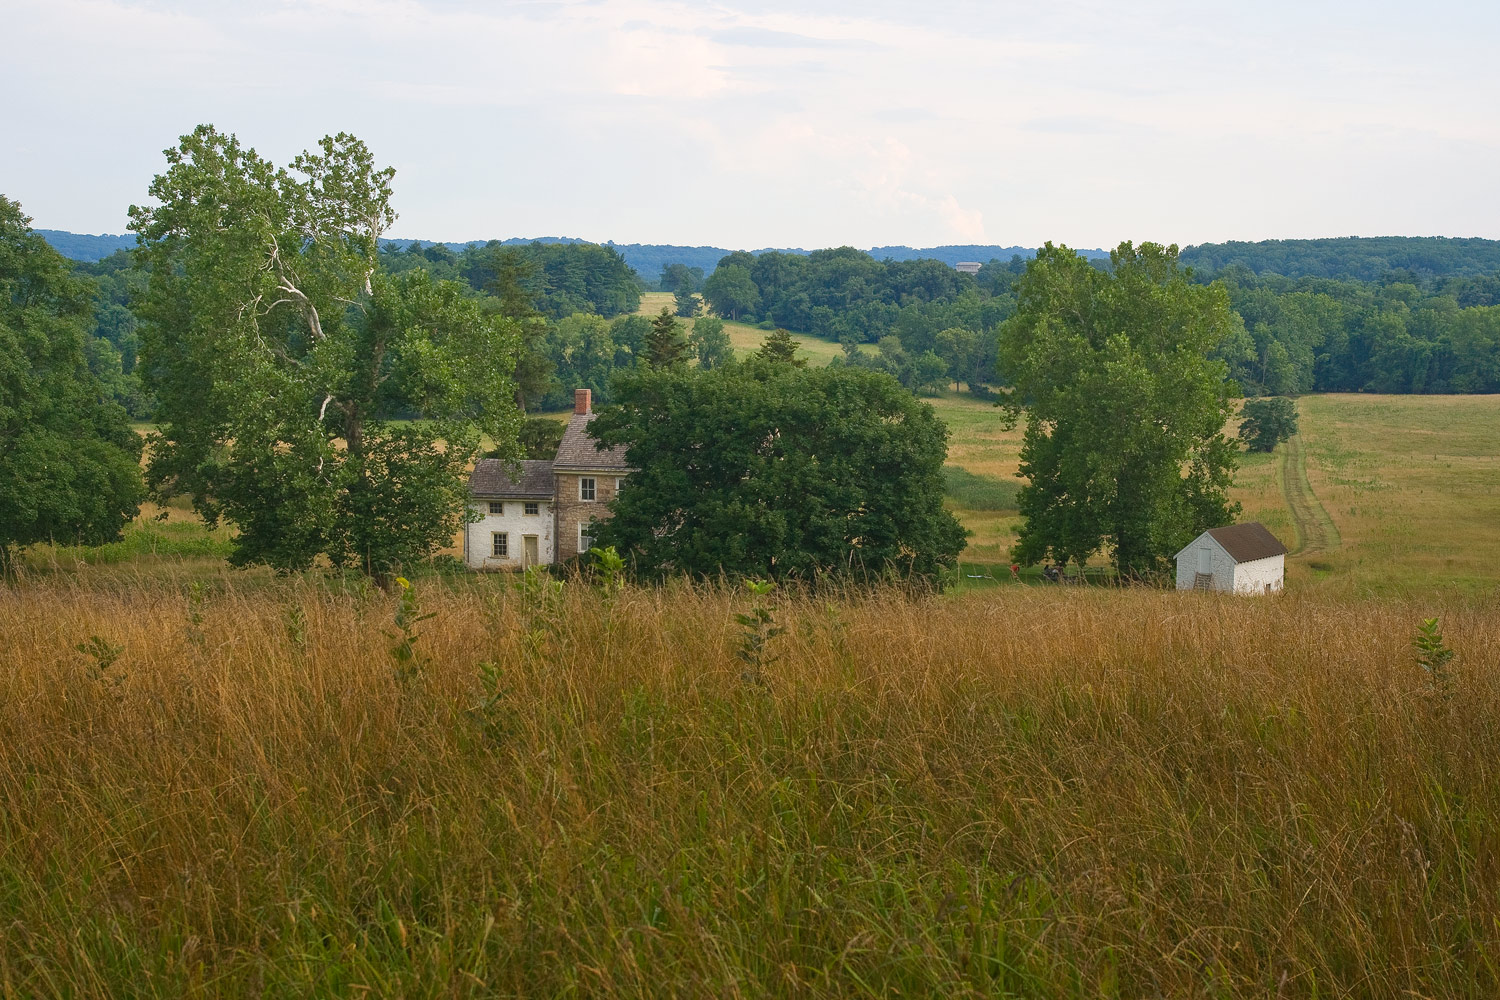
(69, 460)
(321, 407)
(1125, 407)
(770, 469)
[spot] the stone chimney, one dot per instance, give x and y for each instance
(582, 401)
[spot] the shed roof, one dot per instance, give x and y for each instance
(580, 451)
(490, 478)
(1247, 542)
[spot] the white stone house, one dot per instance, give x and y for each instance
(515, 528)
(1237, 559)
(547, 513)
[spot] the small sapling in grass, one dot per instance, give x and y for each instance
(758, 628)
(408, 614)
(295, 620)
(103, 653)
(609, 571)
(1435, 659)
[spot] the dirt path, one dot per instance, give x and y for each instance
(1316, 531)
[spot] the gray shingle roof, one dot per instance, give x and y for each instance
(1248, 542)
(491, 479)
(578, 450)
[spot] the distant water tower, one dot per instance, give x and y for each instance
(967, 267)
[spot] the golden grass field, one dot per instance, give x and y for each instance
(1026, 792)
(222, 783)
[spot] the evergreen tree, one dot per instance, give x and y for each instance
(780, 348)
(665, 346)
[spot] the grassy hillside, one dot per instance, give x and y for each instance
(743, 337)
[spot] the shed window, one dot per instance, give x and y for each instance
(586, 488)
(497, 507)
(500, 545)
(531, 508)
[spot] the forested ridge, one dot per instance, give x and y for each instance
(1360, 258)
(1405, 331)
(1410, 329)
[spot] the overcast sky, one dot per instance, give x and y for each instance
(756, 123)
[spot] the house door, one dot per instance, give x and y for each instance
(530, 547)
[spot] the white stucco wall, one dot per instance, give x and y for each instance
(1219, 561)
(478, 535)
(1254, 577)
(1229, 577)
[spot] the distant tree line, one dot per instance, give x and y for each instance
(1409, 331)
(1351, 258)
(1398, 335)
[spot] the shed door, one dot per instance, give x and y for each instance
(1205, 559)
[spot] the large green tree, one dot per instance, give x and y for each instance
(729, 291)
(769, 469)
(1268, 421)
(1124, 447)
(69, 461)
(710, 341)
(321, 406)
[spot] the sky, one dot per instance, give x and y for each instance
(760, 123)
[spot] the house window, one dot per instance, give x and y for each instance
(531, 508)
(585, 536)
(500, 545)
(586, 490)
(497, 507)
(618, 483)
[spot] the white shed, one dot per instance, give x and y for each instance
(514, 529)
(1238, 559)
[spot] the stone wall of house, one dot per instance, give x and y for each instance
(574, 514)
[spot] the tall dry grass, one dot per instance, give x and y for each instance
(1024, 793)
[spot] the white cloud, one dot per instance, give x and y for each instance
(748, 123)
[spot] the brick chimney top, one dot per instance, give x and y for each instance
(582, 400)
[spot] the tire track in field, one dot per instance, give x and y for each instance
(1316, 531)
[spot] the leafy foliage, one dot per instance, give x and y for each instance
(1435, 659)
(286, 366)
(767, 469)
(1268, 422)
(69, 461)
(1112, 370)
(710, 341)
(1351, 257)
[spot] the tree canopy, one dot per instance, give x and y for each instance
(1267, 422)
(1124, 406)
(287, 367)
(772, 470)
(69, 460)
